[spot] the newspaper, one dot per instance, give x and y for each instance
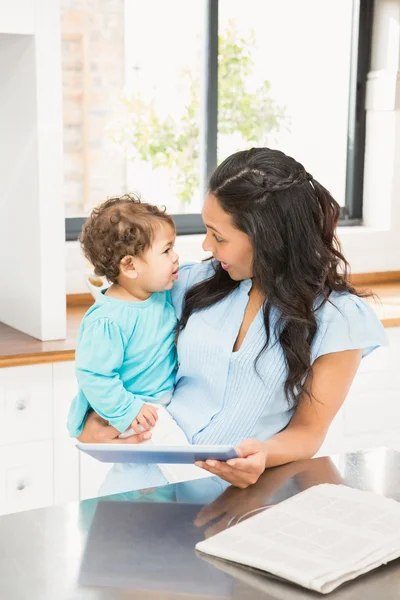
(317, 539)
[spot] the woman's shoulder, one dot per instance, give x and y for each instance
(342, 305)
(347, 322)
(192, 273)
(189, 275)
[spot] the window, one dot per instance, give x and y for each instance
(159, 126)
(160, 108)
(291, 89)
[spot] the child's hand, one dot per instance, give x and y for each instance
(147, 418)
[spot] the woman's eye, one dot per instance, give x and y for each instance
(217, 239)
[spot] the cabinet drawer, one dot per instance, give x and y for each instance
(26, 406)
(65, 387)
(66, 456)
(92, 476)
(26, 476)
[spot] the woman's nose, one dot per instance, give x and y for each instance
(206, 245)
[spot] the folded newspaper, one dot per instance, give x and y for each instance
(317, 539)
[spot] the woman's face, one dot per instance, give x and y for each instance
(231, 247)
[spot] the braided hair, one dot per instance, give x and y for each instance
(290, 219)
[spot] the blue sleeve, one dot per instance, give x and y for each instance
(189, 275)
(350, 324)
(180, 286)
(99, 356)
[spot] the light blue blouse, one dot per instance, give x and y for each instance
(219, 398)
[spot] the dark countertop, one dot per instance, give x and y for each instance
(140, 545)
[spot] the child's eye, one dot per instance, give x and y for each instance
(217, 238)
(167, 250)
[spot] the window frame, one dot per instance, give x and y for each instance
(361, 47)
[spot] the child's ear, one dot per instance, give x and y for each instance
(128, 268)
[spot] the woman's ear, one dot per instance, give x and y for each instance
(127, 267)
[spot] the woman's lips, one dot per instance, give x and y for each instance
(224, 266)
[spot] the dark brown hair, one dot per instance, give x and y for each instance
(119, 227)
(290, 219)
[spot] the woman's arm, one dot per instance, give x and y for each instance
(97, 431)
(333, 375)
(303, 437)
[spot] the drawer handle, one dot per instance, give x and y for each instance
(21, 404)
(21, 484)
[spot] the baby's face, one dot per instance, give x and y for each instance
(160, 263)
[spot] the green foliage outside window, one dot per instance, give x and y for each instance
(166, 141)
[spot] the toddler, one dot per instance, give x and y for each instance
(126, 356)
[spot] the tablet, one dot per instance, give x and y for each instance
(135, 453)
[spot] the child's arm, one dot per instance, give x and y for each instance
(99, 357)
(147, 418)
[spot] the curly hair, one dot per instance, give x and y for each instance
(119, 227)
(290, 219)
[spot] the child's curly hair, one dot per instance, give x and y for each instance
(119, 227)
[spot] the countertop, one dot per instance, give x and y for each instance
(17, 348)
(140, 545)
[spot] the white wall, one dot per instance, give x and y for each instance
(32, 234)
(17, 16)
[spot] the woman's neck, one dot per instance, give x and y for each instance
(255, 294)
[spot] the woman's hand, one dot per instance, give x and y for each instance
(244, 471)
(98, 431)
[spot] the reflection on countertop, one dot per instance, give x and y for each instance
(140, 543)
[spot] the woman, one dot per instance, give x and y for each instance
(271, 332)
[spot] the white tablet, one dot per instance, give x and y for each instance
(135, 453)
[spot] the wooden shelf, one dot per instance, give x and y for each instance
(17, 348)
(387, 305)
